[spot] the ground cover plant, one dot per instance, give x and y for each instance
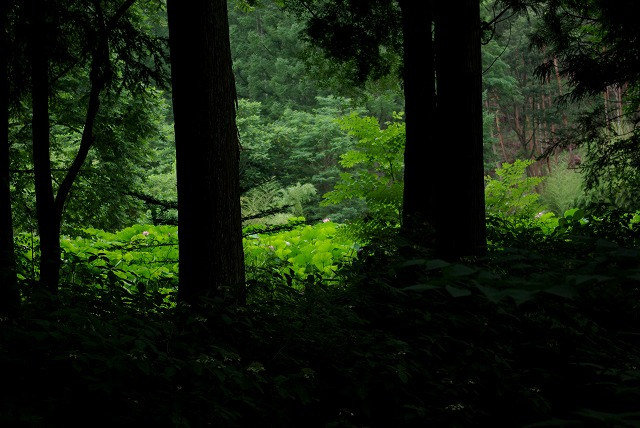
(537, 335)
(145, 257)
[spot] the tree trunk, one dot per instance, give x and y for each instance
(459, 208)
(50, 206)
(444, 127)
(207, 151)
(418, 204)
(9, 294)
(48, 223)
(98, 77)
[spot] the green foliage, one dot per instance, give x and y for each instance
(269, 57)
(267, 61)
(295, 196)
(144, 258)
(162, 185)
(613, 225)
(590, 42)
(543, 230)
(306, 147)
(374, 173)
(126, 154)
(609, 168)
(572, 219)
(132, 110)
(513, 193)
(140, 257)
(298, 147)
(489, 155)
(318, 251)
(115, 361)
(270, 204)
(515, 217)
(256, 139)
(373, 34)
(562, 188)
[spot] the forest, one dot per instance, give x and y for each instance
(302, 253)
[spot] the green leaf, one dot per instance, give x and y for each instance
(494, 295)
(582, 279)
(562, 291)
(459, 270)
(436, 264)
(422, 287)
(413, 262)
(457, 292)
(520, 296)
(402, 374)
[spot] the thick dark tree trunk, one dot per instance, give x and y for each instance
(459, 208)
(443, 202)
(9, 295)
(420, 109)
(207, 151)
(48, 220)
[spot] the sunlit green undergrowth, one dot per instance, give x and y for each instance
(140, 257)
(319, 250)
(145, 257)
(575, 230)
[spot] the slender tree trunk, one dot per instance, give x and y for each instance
(607, 117)
(459, 213)
(98, 77)
(500, 138)
(559, 82)
(50, 206)
(207, 151)
(619, 92)
(48, 223)
(9, 294)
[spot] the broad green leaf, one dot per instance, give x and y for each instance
(436, 264)
(422, 287)
(457, 292)
(459, 270)
(562, 291)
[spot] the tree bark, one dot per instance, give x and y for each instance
(443, 93)
(419, 201)
(459, 208)
(45, 212)
(98, 77)
(207, 152)
(9, 293)
(50, 205)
